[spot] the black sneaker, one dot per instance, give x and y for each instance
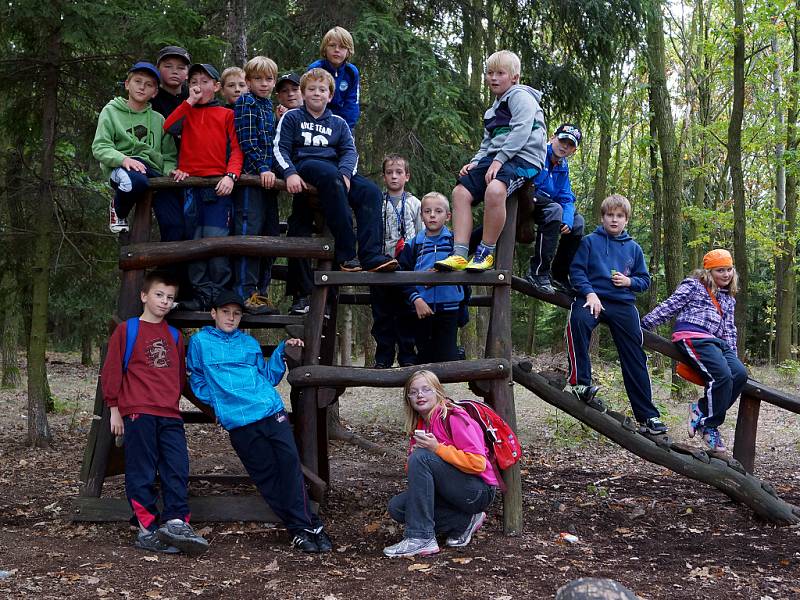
(585, 392)
(351, 266)
(194, 305)
(181, 535)
(563, 286)
(300, 306)
(379, 365)
(305, 540)
(324, 543)
(541, 283)
(150, 542)
(655, 426)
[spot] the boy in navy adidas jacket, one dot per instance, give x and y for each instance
(607, 272)
(142, 378)
(314, 147)
(437, 306)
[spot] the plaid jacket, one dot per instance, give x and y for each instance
(255, 128)
(690, 303)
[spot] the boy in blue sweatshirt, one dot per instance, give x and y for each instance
(336, 50)
(314, 146)
(437, 306)
(228, 372)
(607, 272)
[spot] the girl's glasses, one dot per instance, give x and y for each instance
(425, 391)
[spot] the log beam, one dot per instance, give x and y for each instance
(404, 278)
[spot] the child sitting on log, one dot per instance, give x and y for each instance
(314, 147)
(451, 482)
(607, 272)
(132, 146)
(512, 151)
(437, 307)
(142, 378)
(227, 371)
(209, 148)
(705, 333)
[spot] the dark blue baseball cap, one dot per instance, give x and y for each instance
(570, 132)
(209, 69)
(146, 67)
(227, 297)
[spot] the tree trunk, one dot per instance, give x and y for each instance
(604, 153)
(737, 176)
(785, 282)
(346, 336)
(86, 338)
(672, 173)
(530, 342)
(655, 234)
(10, 332)
(236, 33)
(39, 434)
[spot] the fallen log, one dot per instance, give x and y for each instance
(729, 479)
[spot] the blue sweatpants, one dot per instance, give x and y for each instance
(622, 319)
(255, 212)
(724, 373)
(207, 215)
(268, 453)
(156, 446)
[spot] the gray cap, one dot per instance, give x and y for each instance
(173, 51)
(209, 69)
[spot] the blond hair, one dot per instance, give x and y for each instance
(504, 59)
(341, 36)
(231, 72)
(411, 415)
(705, 277)
(436, 196)
(260, 66)
(317, 74)
(616, 201)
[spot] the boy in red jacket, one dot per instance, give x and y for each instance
(209, 148)
(142, 379)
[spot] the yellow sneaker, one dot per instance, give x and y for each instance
(480, 263)
(454, 262)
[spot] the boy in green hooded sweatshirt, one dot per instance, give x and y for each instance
(131, 145)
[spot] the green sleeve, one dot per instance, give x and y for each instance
(169, 153)
(103, 145)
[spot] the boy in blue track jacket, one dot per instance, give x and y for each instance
(336, 50)
(437, 306)
(229, 373)
(607, 272)
(314, 146)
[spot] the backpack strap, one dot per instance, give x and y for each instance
(132, 331)
(713, 299)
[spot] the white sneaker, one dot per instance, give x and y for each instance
(412, 547)
(115, 224)
(462, 540)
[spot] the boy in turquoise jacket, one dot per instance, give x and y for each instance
(229, 373)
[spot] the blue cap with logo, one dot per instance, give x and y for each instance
(146, 67)
(570, 132)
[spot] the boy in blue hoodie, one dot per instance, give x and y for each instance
(437, 306)
(607, 272)
(337, 49)
(229, 373)
(314, 146)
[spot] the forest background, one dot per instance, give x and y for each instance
(687, 108)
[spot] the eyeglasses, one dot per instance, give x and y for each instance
(425, 391)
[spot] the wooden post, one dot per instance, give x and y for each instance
(744, 442)
(327, 355)
(499, 345)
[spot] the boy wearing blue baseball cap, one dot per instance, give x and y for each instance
(131, 144)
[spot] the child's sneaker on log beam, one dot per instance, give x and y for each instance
(695, 417)
(454, 262)
(300, 306)
(655, 426)
(181, 535)
(585, 393)
(712, 440)
(257, 304)
(387, 265)
(351, 266)
(412, 547)
(482, 260)
(115, 224)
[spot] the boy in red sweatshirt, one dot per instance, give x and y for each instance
(142, 379)
(209, 148)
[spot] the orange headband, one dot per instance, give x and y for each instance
(717, 258)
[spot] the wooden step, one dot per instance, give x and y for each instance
(489, 278)
(363, 298)
(190, 319)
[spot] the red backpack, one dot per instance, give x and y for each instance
(501, 441)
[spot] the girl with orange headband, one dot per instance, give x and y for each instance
(705, 333)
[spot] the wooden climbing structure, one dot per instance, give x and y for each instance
(317, 383)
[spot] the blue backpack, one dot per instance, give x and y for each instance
(132, 330)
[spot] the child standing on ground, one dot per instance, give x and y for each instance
(393, 325)
(607, 272)
(209, 149)
(437, 307)
(228, 372)
(512, 151)
(255, 209)
(314, 146)
(705, 333)
(233, 85)
(142, 378)
(336, 50)
(131, 145)
(451, 481)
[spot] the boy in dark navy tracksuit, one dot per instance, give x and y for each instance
(437, 307)
(607, 271)
(314, 146)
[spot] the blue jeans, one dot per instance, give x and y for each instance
(440, 498)
(255, 212)
(207, 215)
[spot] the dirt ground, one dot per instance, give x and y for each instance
(663, 536)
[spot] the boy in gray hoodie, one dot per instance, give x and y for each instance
(512, 151)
